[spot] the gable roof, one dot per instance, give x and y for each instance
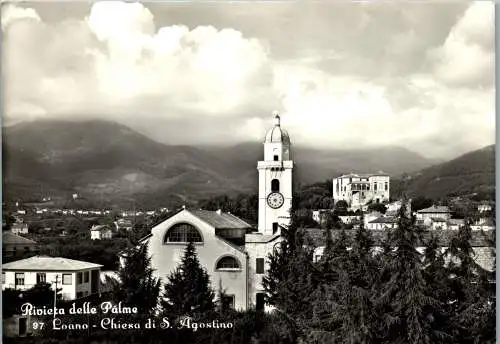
(385, 219)
(10, 238)
(220, 220)
(100, 228)
(435, 209)
(44, 263)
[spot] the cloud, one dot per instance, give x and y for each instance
(335, 85)
(116, 58)
(466, 58)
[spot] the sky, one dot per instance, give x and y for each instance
(342, 75)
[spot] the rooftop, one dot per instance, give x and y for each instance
(276, 134)
(44, 263)
(385, 219)
(12, 239)
(435, 209)
(220, 220)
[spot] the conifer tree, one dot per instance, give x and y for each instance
(471, 291)
(138, 287)
(188, 291)
(405, 305)
(289, 281)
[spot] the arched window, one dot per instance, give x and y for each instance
(183, 232)
(227, 263)
(275, 185)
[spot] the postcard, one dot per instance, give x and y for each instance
(248, 172)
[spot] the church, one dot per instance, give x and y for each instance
(233, 253)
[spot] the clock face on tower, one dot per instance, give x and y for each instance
(275, 200)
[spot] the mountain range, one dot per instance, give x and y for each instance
(111, 164)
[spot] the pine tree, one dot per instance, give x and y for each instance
(404, 302)
(188, 291)
(290, 280)
(138, 287)
(472, 293)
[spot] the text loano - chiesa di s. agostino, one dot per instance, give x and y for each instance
(233, 253)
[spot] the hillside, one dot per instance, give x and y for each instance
(473, 172)
(113, 164)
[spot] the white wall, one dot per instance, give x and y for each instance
(166, 257)
(68, 291)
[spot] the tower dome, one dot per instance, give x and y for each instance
(276, 134)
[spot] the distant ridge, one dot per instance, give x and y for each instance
(108, 163)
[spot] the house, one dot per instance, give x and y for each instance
(483, 207)
(484, 224)
(124, 224)
(75, 278)
(350, 219)
(320, 215)
(19, 228)
(455, 224)
(100, 232)
(21, 212)
(383, 222)
(14, 245)
(359, 190)
(434, 212)
(370, 217)
(436, 223)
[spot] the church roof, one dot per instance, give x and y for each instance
(220, 220)
(277, 134)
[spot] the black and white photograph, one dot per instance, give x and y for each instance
(261, 172)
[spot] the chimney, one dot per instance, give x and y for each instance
(219, 212)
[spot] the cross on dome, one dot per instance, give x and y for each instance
(276, 118)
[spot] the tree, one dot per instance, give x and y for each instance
(405, 305)
(41, 295)
(377, 207)
(188, 290)
(341, 207)
(290, 280)
(471, 290)
(138, 287)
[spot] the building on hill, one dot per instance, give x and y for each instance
(125, 224)
(484, 207)
(484, 224)
(433, 212)
(358, 190)
(75, 278)
(383, 222)
(100, 232)
(230, 249)
(14, 246)
(19, 228)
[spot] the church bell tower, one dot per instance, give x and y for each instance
(275, 180)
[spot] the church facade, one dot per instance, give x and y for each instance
(233, 253)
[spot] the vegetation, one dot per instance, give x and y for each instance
(103, 252)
